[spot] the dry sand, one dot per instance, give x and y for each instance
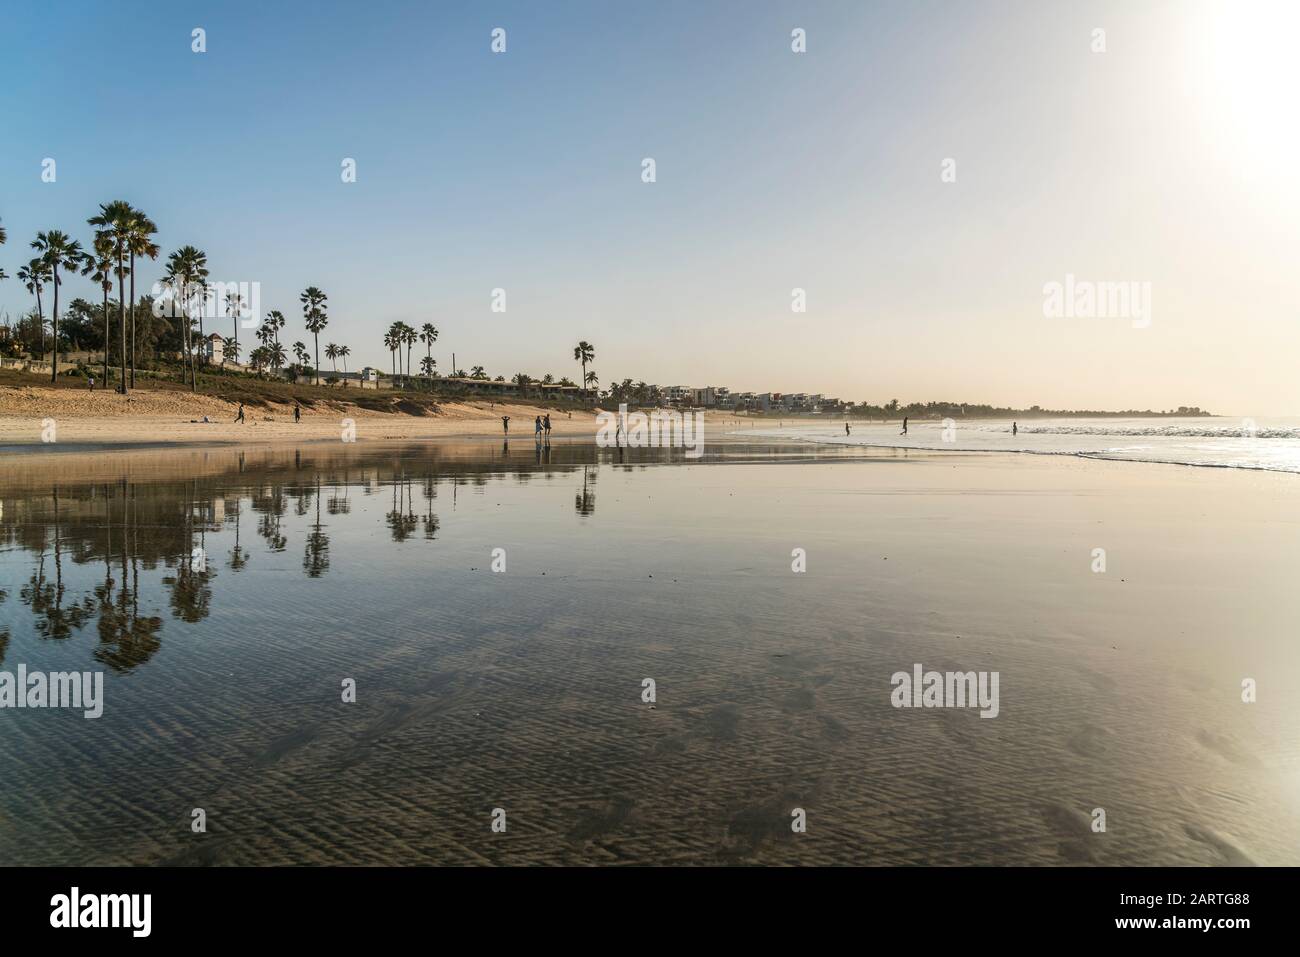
(175, 418)
(157, 417)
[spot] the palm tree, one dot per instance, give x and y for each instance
(428, 335)
(258, 358)
(584, 352)
(300, 353)
(313, 314)
(275, 322)
(100, 268)
(591, 379)
(59, 251)
(275, 356)
(409, 338)
(522, 379)
(477, 373)
(139, 243)
(187, 269)
(393, 340)
(344, 352)
(427, 364)
(234, 305)
(115, 222)
(34, 276)
(332, 353)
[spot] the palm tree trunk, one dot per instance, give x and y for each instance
(121, 314)
(316, 341)
(133, 320)
(40, 320)
(107, 335)
(54, 325)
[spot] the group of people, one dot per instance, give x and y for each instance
(541, 425)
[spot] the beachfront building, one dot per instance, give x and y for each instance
(677, 394)
(214, 349)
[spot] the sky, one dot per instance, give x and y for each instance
(1167, 159)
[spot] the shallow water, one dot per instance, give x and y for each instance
(522, 690)
(1268, 444)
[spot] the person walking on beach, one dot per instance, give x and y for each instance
(546, 424)
(240, 417)
(297, 413)
(92, 383)
(1014, 430)
(904, 432)
(846, 429)
(537, 426)
(505, 424)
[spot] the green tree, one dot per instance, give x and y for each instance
(584, 352)
(115, 221)
(313, 315)
(59, 251)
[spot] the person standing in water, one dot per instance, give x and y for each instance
(537, 426)
(1014, 430)
(846, 429)
(546, 424)
(904, 432)
(505, 424)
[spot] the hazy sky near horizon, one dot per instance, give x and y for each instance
(1168, 159)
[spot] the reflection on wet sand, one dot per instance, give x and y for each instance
(227, 593)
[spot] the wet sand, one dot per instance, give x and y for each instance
(1119, 690)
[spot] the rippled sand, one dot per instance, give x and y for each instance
(522, 690)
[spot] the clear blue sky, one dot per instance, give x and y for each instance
(775, 170)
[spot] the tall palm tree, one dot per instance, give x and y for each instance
(584, 352)
(332, 353)
(392, 339)
(275, 322)
(409, 338)
(234, 305)
(275, 356)
(139, 243)
(300, 353)
(115, 221)
(60, 251)
(344, 352)
(34, 276)
(313, 315)
(591, 379)
(187, 268)
(100, 267)
(428, 335)
(230, 351)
